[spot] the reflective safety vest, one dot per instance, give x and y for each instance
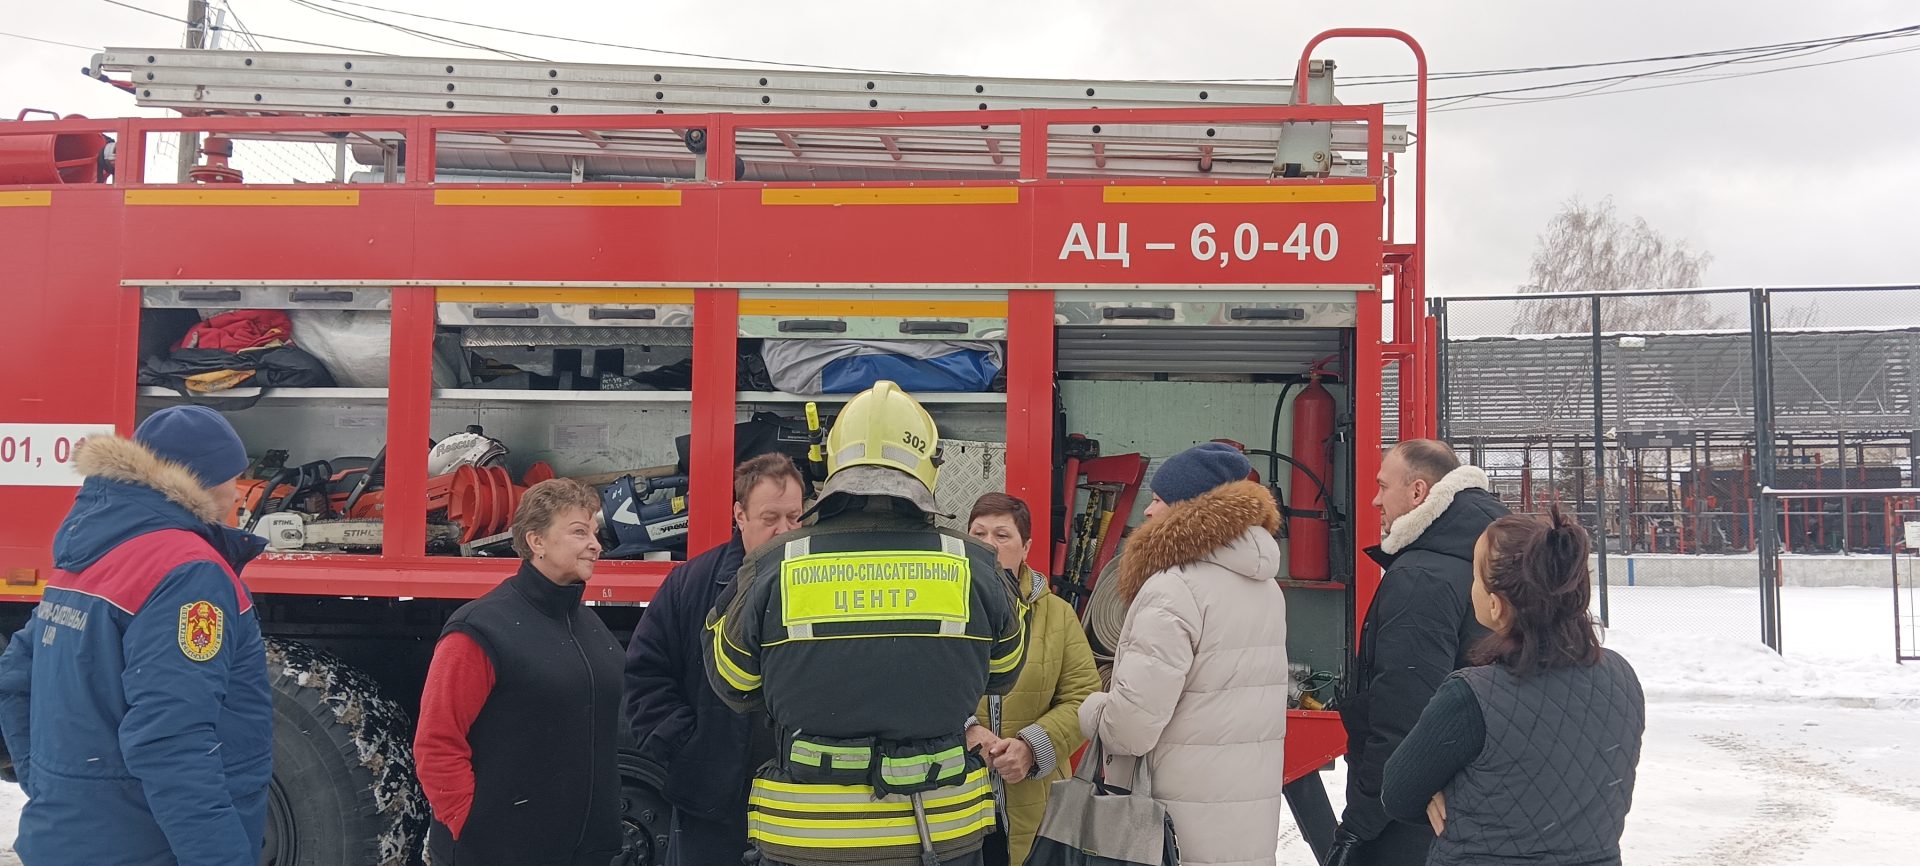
(868, 638)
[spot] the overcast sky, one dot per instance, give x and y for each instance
(1804, 176)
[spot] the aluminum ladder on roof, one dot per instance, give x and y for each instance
(276, 83)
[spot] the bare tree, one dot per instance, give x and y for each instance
(1590, 248)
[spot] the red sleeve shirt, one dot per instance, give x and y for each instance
(458, 682)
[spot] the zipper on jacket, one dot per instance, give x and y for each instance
(586, 818)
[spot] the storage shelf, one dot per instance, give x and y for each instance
(274, 394)
(986, 398)
(491, 395)
(487, 395)
(442, 395)
(1312, 584)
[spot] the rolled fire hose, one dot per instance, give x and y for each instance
(1106, 613)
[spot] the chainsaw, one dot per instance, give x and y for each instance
(641, 523)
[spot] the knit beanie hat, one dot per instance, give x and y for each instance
(197, 438)
(1198, 470)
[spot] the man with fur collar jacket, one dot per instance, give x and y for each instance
(135, 702)
(1419, 629)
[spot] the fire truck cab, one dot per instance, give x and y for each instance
(635, 275)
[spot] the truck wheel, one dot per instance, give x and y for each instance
(645, 819)
(343, 790)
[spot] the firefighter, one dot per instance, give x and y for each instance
(869, 638)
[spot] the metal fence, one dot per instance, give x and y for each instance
(1658, 417)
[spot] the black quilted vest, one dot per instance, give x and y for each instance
(1554, 780)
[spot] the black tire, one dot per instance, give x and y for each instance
(343, 790)
(645, 818)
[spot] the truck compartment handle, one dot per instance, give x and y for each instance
(309, 296)
(933, 327)
(210, 294)
(1269, 314)
(597, 313)
(813, 326)
(1137, 313)
(505, 313)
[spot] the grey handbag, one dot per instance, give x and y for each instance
(1091, 823)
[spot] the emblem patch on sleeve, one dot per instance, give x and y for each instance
(200, 630)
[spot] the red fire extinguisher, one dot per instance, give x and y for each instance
(1307, 525)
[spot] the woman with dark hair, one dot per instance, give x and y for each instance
(1029, 736)
(517, 746)
(1530, 757)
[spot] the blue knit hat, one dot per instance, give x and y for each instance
(195, 437)
(1198, 470)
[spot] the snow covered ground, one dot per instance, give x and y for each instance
(1756, 759)
(1751, 759)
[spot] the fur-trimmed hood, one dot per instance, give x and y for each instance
(131, 491)
(1196, 530)
(1413, 526)
(117, 458)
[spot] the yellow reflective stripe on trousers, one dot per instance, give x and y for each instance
(826, 833)
(827, 819)
(735, 675)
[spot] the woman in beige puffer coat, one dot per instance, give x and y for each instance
(1199, 684)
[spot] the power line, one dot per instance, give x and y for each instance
(48, 41)
(1456, 102)
(431, 37)
(643, 48)
(1449, 102)
(287, 39)
(1375, 80)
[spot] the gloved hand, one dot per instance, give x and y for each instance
(1345, 850)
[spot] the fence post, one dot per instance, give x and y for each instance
(1440, 369)
(1766, 529)
(1600, 463)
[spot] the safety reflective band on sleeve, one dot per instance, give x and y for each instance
(723, 650)
(921, 769)
(831, 757)
(875, 586)
(849, 816)
(1010, 661)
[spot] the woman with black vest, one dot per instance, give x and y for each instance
(1530, 757)
(519, 724)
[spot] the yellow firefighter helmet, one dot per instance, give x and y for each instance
(883, 428)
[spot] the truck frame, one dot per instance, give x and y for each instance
(1051, 262)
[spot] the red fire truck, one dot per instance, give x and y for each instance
(591, 265)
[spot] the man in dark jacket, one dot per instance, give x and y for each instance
(696, 750)
(135, 703)
(1419, 629)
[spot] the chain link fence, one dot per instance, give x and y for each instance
(1636, 411)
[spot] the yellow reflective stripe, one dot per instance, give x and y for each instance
(773, 643)
(873, 586)
(1011, 661)
(810, 796)
(838, 757)
(916, 767)
(867, 832)
(735, 675)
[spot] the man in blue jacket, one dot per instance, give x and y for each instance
(699, 752)
(135, 702)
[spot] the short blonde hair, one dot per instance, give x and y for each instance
(543, 503)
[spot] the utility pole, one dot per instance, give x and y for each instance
(196, 38)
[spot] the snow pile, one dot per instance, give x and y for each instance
(1681, 666)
